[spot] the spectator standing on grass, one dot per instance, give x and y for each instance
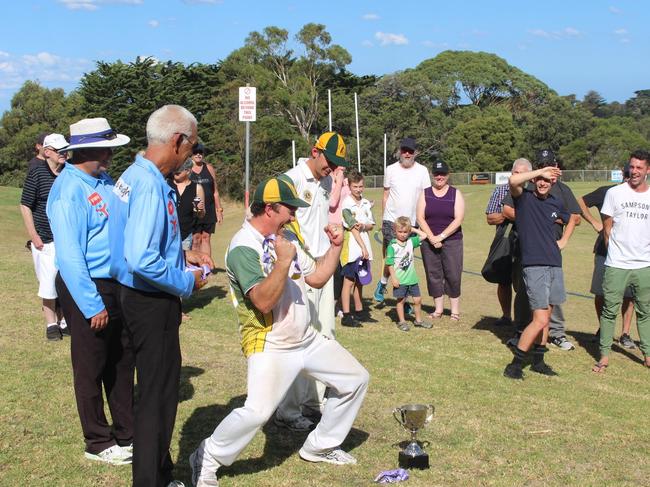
(191, 202)
(203, 173)
(340, 190)
(400, 259)
(147, 259)
(440, 214)
(626, 227)
(541, 260)
(312, 179)
(268, 276)
(33, 201)
(356, 256)
(563, 232)
(39, 155)
(102, 361)
(596, 199)
(403, 182)
(494, 216)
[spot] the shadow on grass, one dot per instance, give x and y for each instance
(587, 341)
(489, 323)
(203, 298)
(389, 309)
(186, 388)
(280, 442)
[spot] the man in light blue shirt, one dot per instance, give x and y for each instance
(147, 259)
(78, 210)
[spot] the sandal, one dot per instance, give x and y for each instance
(435, 316)
(599, 368)
(403, 326)
(455, 317)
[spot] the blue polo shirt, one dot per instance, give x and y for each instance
(145, 239)
(78, 210)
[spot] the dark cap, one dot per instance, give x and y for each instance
(440, 167)
(545, 158)
(198, 149)
(408, 143)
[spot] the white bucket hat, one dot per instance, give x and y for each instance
(94, 133)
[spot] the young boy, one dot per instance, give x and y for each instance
(399, 259)
(536, 214)
(357, 252)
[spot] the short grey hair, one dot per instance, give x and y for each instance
(167, 121)
(522, 161)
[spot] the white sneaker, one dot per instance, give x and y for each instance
(202, 477)
(175, 483)
(562, 343)
(299, 423)
(115, 455)
(335, 456)
(128, 448)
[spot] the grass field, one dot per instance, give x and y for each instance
(576, 429)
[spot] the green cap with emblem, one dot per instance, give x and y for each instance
(332, 145)
(278, 189)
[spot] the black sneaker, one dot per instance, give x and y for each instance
(626, 342)
(53, 333)
(513, 371)
(503, 321)
(349, 320)
(544, 369)
(65, 332)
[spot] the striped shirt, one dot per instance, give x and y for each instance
(35, 192)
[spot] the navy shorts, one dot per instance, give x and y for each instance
(404, 291)
(349, 271)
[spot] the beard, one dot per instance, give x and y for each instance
(406, 162)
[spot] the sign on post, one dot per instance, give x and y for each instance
(247, 104)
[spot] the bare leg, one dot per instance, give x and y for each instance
(627, 310)
(504, 294)
(49, 311)
(400, 309)
(454, 303)
(356, 293)
(537, 330)
(417, 304)
(205, 243)
(345, 294)
(439, 303)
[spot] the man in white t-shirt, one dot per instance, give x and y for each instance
(626, 227)
(403, 182)
(313, 182)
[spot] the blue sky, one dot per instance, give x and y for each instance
(571, 45)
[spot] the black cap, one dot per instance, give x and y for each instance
(198, 149)
(408, 143)
(545, 158)
(440, 167)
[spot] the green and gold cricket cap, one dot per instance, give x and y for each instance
(332, 145)
(279, 189)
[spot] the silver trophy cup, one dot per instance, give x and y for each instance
(413, 417)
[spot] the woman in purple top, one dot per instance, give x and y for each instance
(440, 212)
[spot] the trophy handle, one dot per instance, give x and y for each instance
(396, 412)
(431, 410)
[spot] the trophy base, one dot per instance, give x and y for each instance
(408, 461)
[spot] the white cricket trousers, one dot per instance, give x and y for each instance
(270, 374)
(306, 391)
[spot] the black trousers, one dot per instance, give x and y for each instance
(100, 358)
(152, 321)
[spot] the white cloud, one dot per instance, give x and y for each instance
(436, 45)
(4, 54)
(153, 23)
(199, 2)
(91, 5)
(566, 33)
(43, 66)
(367, 43)
(387, 38)
(615, 10)
(370, 17)
(151, 58)
(621, 32)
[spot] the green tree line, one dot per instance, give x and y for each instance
(471, 109)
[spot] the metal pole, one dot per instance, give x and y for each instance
(329, 107)
(293, 152)
(356, 119)
(248, 138)
(384, 154)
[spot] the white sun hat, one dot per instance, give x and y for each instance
(94, 133)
